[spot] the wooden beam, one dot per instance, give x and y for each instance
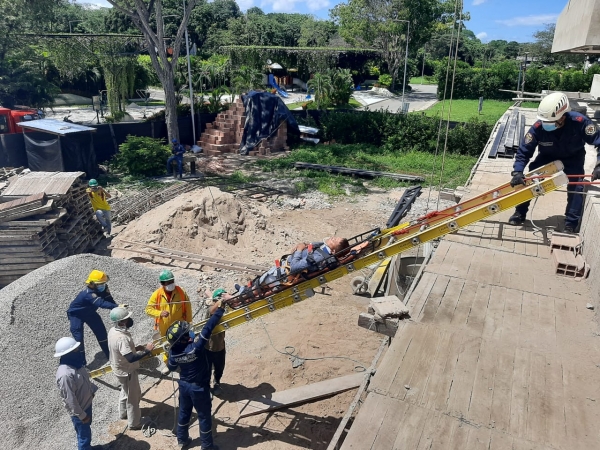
(300, 395)
(389, 327)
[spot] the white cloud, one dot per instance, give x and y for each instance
(478, 2)
(481, 36)
(290, 5)
(529, 21)
(245, 4)
(316, 5)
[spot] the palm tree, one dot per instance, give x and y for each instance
(246, 78)
(321, 84)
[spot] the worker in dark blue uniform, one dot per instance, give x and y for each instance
(188, 352)
(83, 310)
(178, 150)
(558, 134)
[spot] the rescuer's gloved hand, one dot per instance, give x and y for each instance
(517, 179)
(596, 173)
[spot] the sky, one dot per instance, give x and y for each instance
(511, 20)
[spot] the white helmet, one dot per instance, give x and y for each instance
(65, 345)
(119, 313)
(553, 107)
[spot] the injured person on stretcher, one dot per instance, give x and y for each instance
(304, 260)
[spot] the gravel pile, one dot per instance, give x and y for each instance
(34, 311)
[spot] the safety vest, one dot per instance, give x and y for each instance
(159, 298)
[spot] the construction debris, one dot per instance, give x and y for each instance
(44, 216)
(509, 136)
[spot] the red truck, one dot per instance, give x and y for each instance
(9, 118)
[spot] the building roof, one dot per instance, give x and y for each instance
(53, 126)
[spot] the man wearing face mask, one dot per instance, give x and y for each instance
(168, 304)
(124, 357)
(558, 134)
(83, 310)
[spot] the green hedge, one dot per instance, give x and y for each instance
(472, 83)
(403, 132)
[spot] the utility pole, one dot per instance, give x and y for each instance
(523, 77)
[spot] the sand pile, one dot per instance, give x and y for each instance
(214, 224)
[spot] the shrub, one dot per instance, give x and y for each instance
(142, 156)
(385, 80)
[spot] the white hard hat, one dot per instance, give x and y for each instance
(553, 107)
(65, 345)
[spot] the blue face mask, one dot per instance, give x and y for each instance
(100, 287)
(549, 126)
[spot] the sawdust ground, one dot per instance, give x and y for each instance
(324, 325)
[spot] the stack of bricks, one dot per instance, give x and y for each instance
(225, 134)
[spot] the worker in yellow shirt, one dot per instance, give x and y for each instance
(167, 305)
(98, 196)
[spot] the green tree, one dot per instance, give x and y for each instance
(322, 87)
(316, 33)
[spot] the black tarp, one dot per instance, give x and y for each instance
(12, 150)
(264, 114)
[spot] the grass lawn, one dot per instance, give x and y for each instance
(456, 172)
(463, 110)
(353, 104)
(423, 80)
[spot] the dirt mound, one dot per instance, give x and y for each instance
(214, 224)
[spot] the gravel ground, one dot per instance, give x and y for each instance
(35, 310)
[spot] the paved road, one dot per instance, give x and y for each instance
(421, 97)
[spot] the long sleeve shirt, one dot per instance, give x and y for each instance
(302, 260)
(176, 303)
(563, 143)
(88, 301)
(76, 389)
(191, 358)
(178, 150)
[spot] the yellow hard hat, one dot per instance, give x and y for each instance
(96, 276)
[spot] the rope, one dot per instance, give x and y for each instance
(291, 352)
(450, 104)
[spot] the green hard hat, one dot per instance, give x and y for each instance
(119, 313)
(93, 183)
(166, 275)
(218, 293)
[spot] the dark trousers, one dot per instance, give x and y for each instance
(179, 160)
(216, 361)
(83, 431)
(94, 321)
(573, 166)
(197, 397)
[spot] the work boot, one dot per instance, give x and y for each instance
(516, 219)
(184, 444)
(569, 229)
(216, 390)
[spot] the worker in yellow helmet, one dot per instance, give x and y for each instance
(167, 305)
(83, 310)
(98, 197)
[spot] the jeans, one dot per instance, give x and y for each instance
(94, 321)
(217, 362)
(573, 166)
(179, 160)
(194, 396)
(103, 217)
(129, 399)
(83, 431)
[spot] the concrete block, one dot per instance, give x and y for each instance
(388, 327)
(389, 306)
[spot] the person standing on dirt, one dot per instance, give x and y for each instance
(84, 310)
(76, 389)
(558, 134)
(178, 150)
(124, 360)
(216, 344)
(168, 304)
(188, 353)
(98, 197)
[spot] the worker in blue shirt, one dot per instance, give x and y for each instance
(178, 150)
(83, 310)
(558, 134)
(188, 352)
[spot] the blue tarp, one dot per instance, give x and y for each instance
(264, 113)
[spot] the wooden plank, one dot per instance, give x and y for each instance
(369, 420)
(299, 395)
(511, 323)
(450, 299)
(529, 319)
(492, 324)
(411, 430)
(389, 366)
(392, 422)
(479, 308)
(520, 393)
(433, 299)
(481, 397)
(501, 399)
(501, 441)
(429, 430)
(536, 409)
(388, 327)
(443, 433)
(464, 374)
(555, 411)
(417, 300)
(465, 301)
(546, 337)
(479, 439)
